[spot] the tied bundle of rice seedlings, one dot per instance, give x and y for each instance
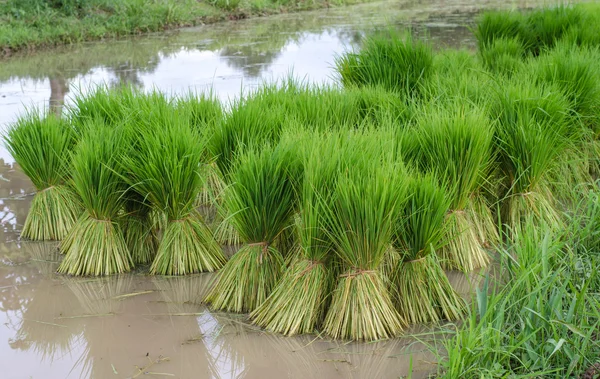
(455, 144)
(95, 245)
(575, 72)
(139, 228)
(297, 305)
(395, 62)
(424, 293)
(250, 124)
(42, 147)
(360, 222)
(503, 55)
(261, 202)
(532, 136)
(164, 168)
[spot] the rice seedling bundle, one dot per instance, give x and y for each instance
(42, 147)
(164, 168)
(297, 304)
(359, 221)
(139, 228)
(261, 202)
(503, 55)
(455, 144)
(423, 292)
(536, 30)
(575, 71)
(389, 60)
(96, 245)
(114, 106)
(531, 138)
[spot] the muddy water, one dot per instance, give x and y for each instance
(139, 326)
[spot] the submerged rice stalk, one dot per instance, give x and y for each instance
(95, 245)
(424, 293)
(163, 167)
(261, 203)
(42, 146)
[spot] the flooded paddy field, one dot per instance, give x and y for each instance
(134, 325)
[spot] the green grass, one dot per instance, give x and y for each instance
(33, 24)
(298, 303)
(360, 222)
(541, 323)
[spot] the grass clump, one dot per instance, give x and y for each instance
(164, 167)
(360, 222)
(260, 202)
(395, 62)
(423, 292)
(96, 245)
(42, 147)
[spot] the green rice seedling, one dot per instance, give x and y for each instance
(297, 304)
(395, 62)
(42, 146)
(501, 25)
(503, 55)
(575, 72)
(424, 293)
(249, 124)
(164, 167)
(261, 202)
(531, 137)
(95, 245)
(455, 144)
(548, 25)
(139, 228)
(457, 74)
(114, 106)
(359, 221)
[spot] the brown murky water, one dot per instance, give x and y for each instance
(137, 326)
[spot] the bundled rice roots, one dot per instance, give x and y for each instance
(355, 313)
(42, 148)
(463, 250)
(424, 292)
(187, 246)
(307, 283)
(95, 247)
(247, 278)
(52, 214)
(140, 237)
